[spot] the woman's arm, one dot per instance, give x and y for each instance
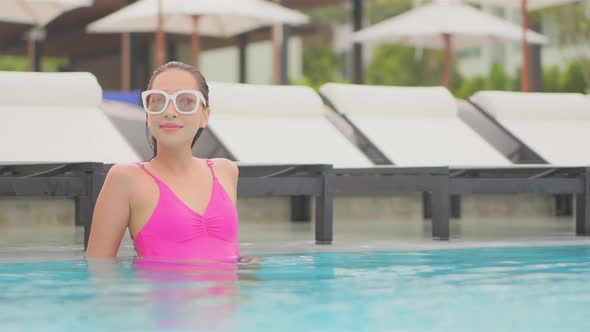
(111, 214)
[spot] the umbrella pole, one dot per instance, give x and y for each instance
(126, 61)
(277, 31)
(357, 48)
(196, 41)
(448, 72)
(243, 45)
(32, 51)
(525, 79)
(35, 36)
(160, 37)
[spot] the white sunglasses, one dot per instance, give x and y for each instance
(185, 101)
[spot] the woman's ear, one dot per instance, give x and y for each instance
(207, 114)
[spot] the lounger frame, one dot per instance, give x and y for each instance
(557, 181)
(509, 145)
(83, 181)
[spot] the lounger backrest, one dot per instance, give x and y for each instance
(278, 125)
(413, 126)
(552, 124)
(55, 118)
(130, 121)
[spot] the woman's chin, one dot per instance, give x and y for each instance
(172, 143)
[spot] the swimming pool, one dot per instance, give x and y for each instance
(487, 289)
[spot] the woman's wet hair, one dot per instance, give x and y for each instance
(203, 87)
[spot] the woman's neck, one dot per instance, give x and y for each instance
(174, 159)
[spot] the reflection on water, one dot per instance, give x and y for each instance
(178, 291)
(177, 295)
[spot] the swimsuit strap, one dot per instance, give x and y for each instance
(210, 163)
(148, 171)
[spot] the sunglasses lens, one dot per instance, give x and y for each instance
(187, 102)
(155, 102)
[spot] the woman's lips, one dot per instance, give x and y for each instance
(170, 126)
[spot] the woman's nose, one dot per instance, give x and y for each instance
(170, 111)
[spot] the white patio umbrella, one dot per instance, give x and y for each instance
(525, 6)
(215, 18)
(449, 25)
(37, 13)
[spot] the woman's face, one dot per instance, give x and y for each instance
(172, 128)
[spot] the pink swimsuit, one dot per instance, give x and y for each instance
(176, 232)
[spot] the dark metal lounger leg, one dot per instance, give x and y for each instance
(300, 208)
(563, 205)
(583, 206)
(82, 207)
(84, 214)
(324, 212)
(440, 208)
(96, 181)
(426, 205)
(455, 206)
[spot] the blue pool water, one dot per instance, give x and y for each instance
(491, 289)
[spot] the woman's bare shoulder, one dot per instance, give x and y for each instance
(226, 166)
(227, 173)
(226, 169)
(124, 171)
(125, 175)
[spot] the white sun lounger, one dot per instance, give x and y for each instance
(55, 118)
(130, 121)
(421, 126)
(261, 124)
(412, 126)
(552, 125)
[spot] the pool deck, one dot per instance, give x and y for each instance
(56, 242)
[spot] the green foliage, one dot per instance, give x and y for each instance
(320, 65)
(574, 28)
(14, 63)
(21, 63)
(470, 86)
(573, 78)
(379, 10)
(375, 11)
(398, 65)
(498, 78)
(551, 77)
(517, 79)
(330, 14)
(401, 65)
(395, 65)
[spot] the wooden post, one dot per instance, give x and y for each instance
(126, 61)
(160, 37)
(525, 85)
(196, 42)
(448, 72)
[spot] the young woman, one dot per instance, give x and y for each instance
(176, 207)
